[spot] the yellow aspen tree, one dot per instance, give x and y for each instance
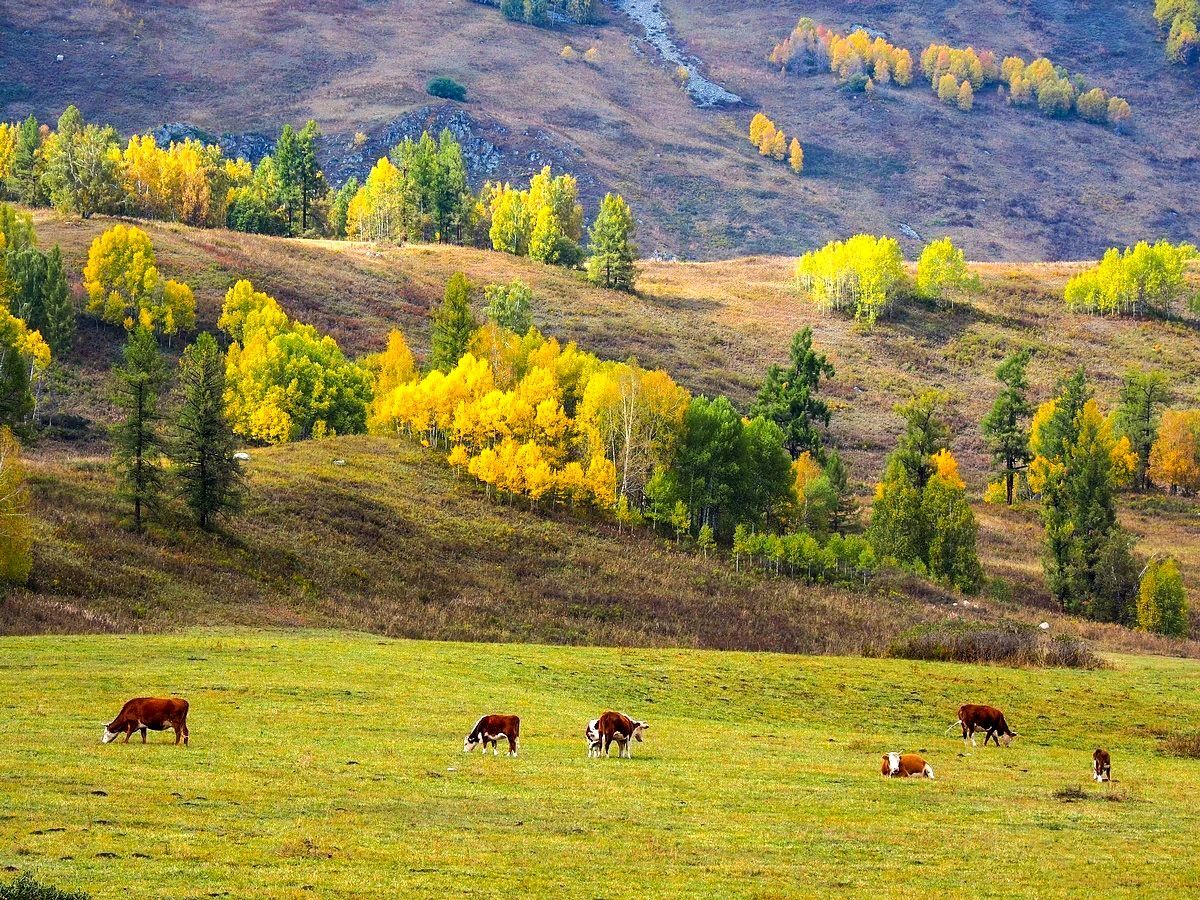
(796, 156)
(966, 97)
(779, 145)
(757, 126)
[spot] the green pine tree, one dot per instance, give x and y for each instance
(1143, 394)
(788, 397)
(210, 479)
(453, 325)
(57, 308)
(137, 444)
(1007, 437)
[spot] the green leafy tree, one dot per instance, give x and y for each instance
(137, 442)
(1143, 394)
(612, 249)
(453, 325)
(16, 397)
(706, 543)
(287, 157)
(509, 306)
(942, 270)
(210, 478)
(1003, 429)
(1162, 602)
(81, 172)
(788, 397)
(58, 310)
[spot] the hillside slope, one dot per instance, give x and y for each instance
(1005, 183)
(715, 327)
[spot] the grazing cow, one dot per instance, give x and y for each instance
(619, 728)
(154, 713)
(1101, 765)
(592, 735)
(988, 719)
(905, 765)
(490, 729)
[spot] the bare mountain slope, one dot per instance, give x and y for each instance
(1006, 183)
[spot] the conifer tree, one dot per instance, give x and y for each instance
(788, 397)
(844, 513)
(453, 325)
(1007, 437)
(57, 306)
(23, 181)
(1143, 394)
(210, 479)
(612, 248)
(796, 156)
(137, 443)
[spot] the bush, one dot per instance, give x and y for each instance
(26, 888)
(1183, 745)
(446, 88)
(1002, 643)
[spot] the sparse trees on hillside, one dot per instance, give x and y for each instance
(857, 56)
(1180, 18)
(863, 273)
(137, 441)
(613, 252)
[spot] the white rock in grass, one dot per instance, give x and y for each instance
(242, 456)
(1045, 626)
(339, 462)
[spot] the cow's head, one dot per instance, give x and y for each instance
(1008, 738)
(472, 742)
(108, 736)
(639, 730)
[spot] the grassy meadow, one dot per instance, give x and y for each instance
(330, 765)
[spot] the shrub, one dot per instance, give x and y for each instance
(1002, 643)
(26, 888)
(446, 88)
(1183, 745)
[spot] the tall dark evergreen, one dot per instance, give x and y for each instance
(288, 166)
(137, 442)
(844, 513)
(58, 310)
(1003, 428)
(209, 477)
(611, 245)
(789, 398)
(1143, 394)
(23, 181)
(453, 325)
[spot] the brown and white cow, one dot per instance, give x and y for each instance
(154, 713)
(591, 734)
(905, 765)
(618, 728)
(1101, 766)
(987, 719)
(489, 729)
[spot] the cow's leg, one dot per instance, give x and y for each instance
(185, 733)
(128, 733)
(973, 744)
(143, 731)
(178, 733)
(512, 745)
(607, 746)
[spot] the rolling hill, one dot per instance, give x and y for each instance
(1005, 183)
(715, 326)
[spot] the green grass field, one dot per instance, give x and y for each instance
(331, 765)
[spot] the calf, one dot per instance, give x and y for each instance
(619, 728)
(905, 765)
(988, 719)
(1101, 765)
(154, 713)
(490, 729)
(592, 735)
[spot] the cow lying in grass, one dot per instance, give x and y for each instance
(905, 765)
(490, 729)
(154, 713)
(618, 728)
(1101, 766)
(987, 719)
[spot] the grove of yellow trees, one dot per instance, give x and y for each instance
(862, 273)
(124, 286)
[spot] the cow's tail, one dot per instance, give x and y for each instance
(957, 723)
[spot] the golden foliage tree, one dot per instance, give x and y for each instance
(124, 286)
